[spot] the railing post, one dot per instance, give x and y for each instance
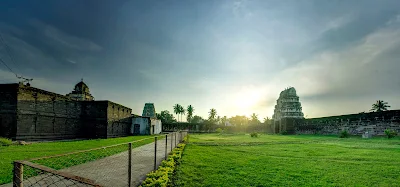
(171, 139)
(166, 146)
(18, 175)
(155, 153)
(129, 164)
(175, 139)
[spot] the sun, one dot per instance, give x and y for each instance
(246, 100)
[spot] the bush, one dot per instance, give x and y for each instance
(163, 175)
(284, 133)
(5, 141)
(344, 134)
(254, 135)
(219, 130)
(390, 133)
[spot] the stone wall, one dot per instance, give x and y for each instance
(356, 124)
(46, 115)
(8, 110)
(118, 119)
(28, 113)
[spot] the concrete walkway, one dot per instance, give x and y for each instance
(113, 170)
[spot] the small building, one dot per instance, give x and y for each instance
(140, 125)
(147, 123)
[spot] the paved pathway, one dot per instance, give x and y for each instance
(113, 170)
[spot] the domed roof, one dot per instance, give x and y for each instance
(81, 87)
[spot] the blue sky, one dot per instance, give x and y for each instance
(234, 56)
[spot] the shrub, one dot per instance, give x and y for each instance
(284, 133)
(5, 141)
(344, 134)
(390, 133)
(254, 135)
(219, 130)
(163, 175)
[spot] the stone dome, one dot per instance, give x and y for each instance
(81, 87)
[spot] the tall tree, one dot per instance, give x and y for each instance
(224, 120)
(197, 119)
(177, 108)
(190, 111)
(181, 111)
(212, 114)
(266, 120)
(254, 119)
(380, 106)
(166, 117)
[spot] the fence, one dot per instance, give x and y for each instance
(118, 165)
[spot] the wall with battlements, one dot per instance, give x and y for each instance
(356, 124)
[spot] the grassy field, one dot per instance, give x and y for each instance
(10, 153)
(298, 160)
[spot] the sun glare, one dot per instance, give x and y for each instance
(246, 100)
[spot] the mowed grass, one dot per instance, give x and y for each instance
(274, 160)
(22, 152)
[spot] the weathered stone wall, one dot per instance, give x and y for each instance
(47, 115)
(119, 120)
(8, 110)
(28, 113)
(95, 118)
(356, 124)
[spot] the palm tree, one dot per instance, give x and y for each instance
(380, 106)
(177, 109)
(190, 111)
(224, 120)
(181, 111)
(266, 120)
(212, 114)
(254, 117)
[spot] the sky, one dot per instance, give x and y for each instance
(232, 55)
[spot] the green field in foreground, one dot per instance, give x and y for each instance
(22, 152)
(297, 160)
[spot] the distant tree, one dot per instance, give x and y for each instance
(224, 120)
(218, 120)
(181, 111)
(166, 117)
(190, 111)
(380, 106)
(177, 110)
(212, 114)
(238, 120)
(254, 117)
(266, 120)
(197, 119)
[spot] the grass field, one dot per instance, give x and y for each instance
(298, 160)
(10, 153)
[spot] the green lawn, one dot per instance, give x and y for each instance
(298, 160)
(10, 153)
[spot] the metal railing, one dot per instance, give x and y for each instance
(117, 165)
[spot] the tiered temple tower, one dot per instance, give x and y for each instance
(149, 110)
(81, 92)
(287, 111)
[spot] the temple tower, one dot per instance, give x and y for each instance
(287, 111)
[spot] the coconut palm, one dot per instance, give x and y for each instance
(380, 106)
(224, 120)
(254, 117)
(212, 114)
(177, 109)
(190, 111)
(181, 111)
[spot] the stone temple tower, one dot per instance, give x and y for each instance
(287, 111)
(149, 110)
